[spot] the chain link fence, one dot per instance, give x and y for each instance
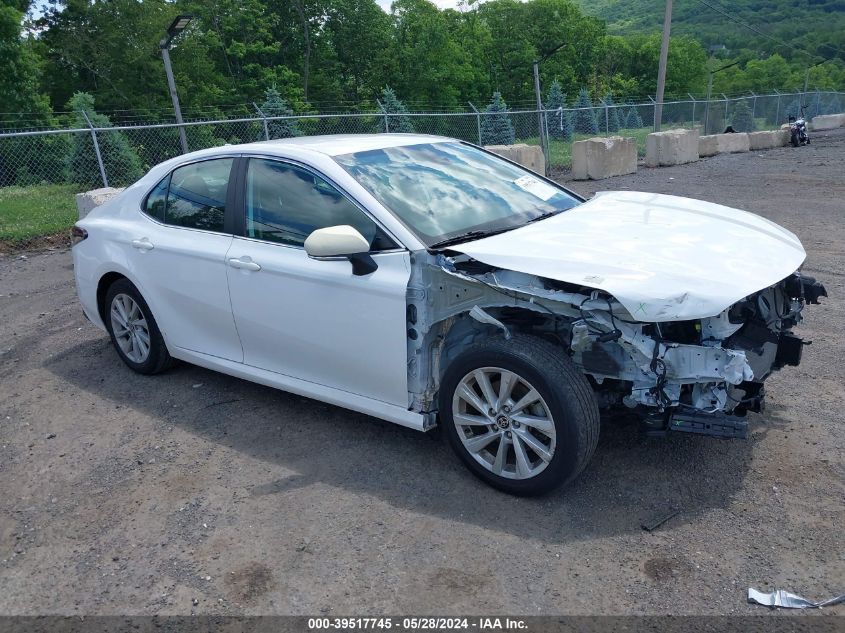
(118, 155)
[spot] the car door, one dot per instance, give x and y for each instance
(314, 319)
(178, 253)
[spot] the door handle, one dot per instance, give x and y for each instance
(143, 244)
(243, 265)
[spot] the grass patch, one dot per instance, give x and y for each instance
(30, 212)
(560, 152)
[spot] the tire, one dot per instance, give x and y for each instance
(566, 406)
(793, 138)
(129, 341)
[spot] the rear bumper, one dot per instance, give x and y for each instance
(84, 272)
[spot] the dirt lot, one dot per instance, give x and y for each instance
(127, 494)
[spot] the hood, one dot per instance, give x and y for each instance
(665, 258)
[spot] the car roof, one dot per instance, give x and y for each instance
(338, 144)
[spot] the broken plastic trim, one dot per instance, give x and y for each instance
(483, 317)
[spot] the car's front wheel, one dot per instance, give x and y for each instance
(133, 329)
(519, 414)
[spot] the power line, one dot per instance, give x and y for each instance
(753, 28)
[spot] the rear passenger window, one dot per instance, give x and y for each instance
(197, 195)
(157, 200)
(193, 196)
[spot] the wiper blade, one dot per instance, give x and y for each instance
(543, 216)
(457, 239)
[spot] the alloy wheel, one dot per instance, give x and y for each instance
(504, 423)
(130, 328)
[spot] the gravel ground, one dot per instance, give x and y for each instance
(124, 494)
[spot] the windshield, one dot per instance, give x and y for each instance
(442, 191)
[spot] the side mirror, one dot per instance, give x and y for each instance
(342, 241)
(336, 241)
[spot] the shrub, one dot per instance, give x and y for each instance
(122, 164)
(742, 120)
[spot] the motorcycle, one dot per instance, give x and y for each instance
(798, 130)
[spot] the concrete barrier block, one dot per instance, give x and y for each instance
(599, 158)
(529, 156)
(782, 137)
(725, 143)
(86, 202)
(708, 145)
(672, 147)
(732, 143)
(763, 140)
(828, 121)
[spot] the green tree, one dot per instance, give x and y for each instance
(19, 69)
(273, 105)
(122, 164)
(558, 118)
(612, 115)
(24, 160)
(585, 121)
(522, 32)
(496, 126)
(434, 67)
(399, 121)
(742, 119)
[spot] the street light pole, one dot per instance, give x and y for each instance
(177, 26)
(540, 127)
(710, 89)
(661, 68)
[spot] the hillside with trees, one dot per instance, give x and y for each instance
(803, 33)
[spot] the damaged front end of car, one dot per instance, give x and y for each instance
(697, 375)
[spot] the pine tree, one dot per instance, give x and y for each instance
(585, 116)
(496, 126)
(558, 119)
(274, 105)
(391, 104)
(633, 121)
(613, 120)
(122, 164)
(742, 120)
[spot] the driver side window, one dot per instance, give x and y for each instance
(285, 204)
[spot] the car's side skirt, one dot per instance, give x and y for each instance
(338, 397)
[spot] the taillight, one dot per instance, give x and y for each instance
(77, 234)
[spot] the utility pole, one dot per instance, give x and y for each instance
(661, 70)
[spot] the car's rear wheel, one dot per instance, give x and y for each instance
(133, 329)
(519, 414)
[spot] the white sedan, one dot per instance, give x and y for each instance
(420, 279)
